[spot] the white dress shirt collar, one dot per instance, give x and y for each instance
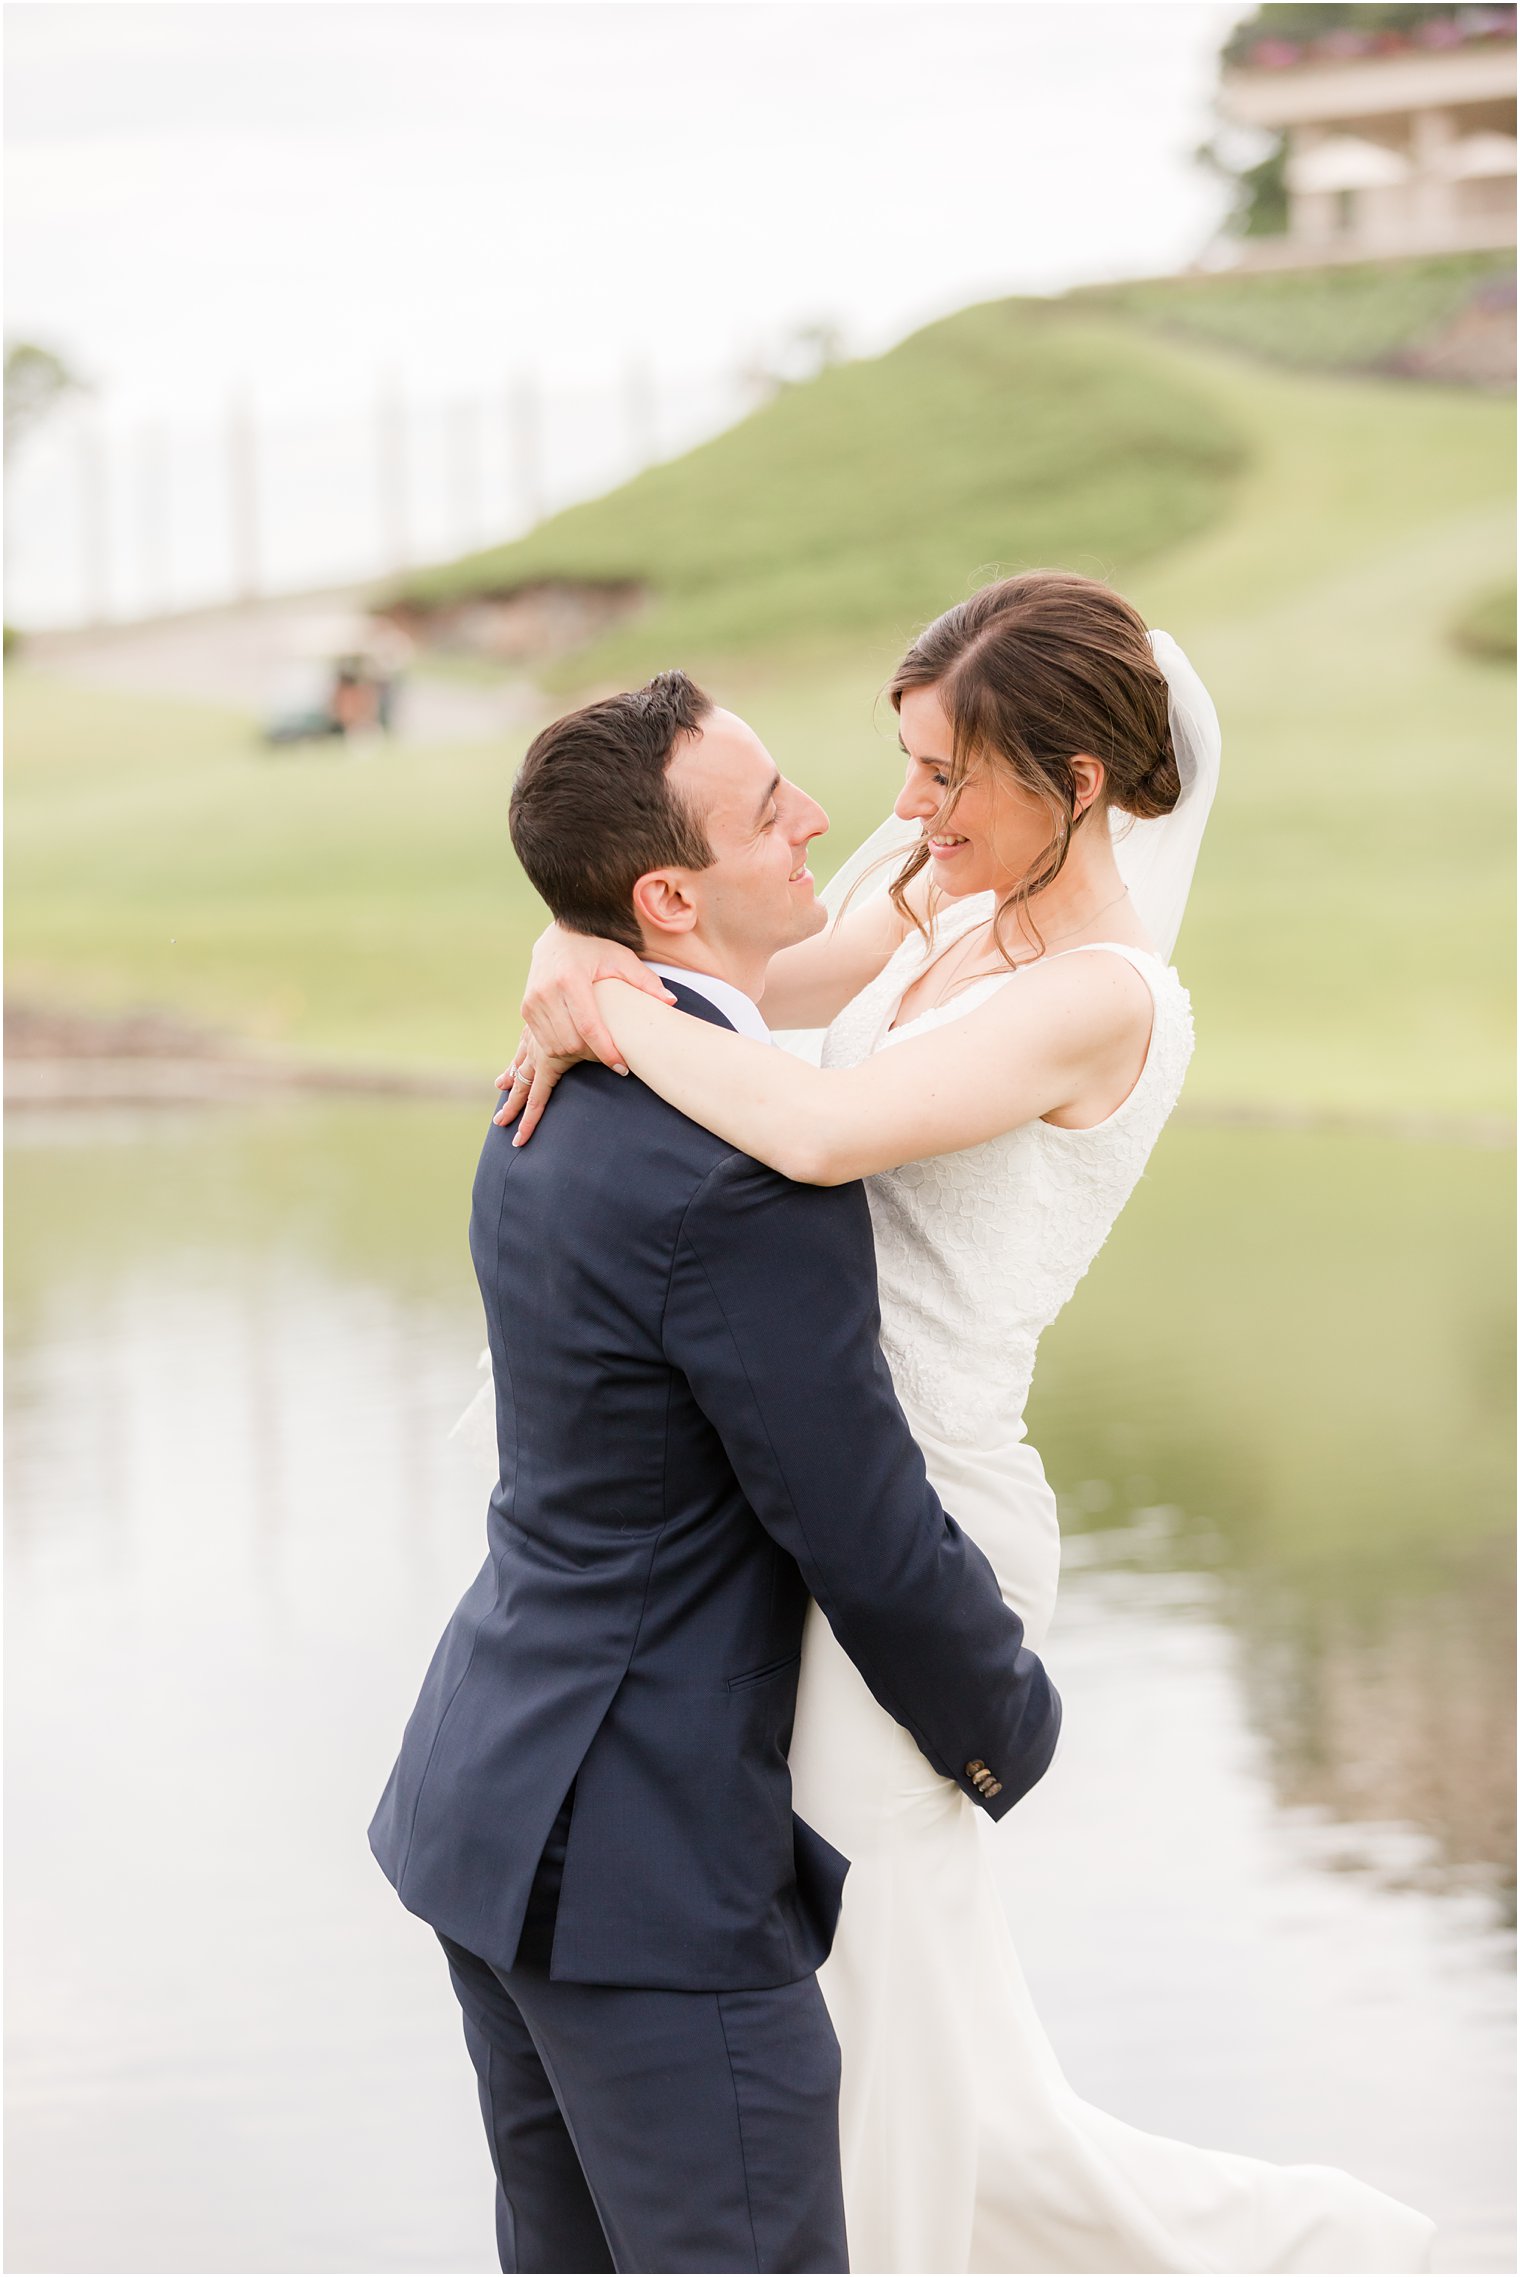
(741, 1011)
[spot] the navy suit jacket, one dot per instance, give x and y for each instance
(696, 1430)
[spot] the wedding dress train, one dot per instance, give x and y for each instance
(963, 2147)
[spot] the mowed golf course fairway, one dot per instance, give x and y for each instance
(1311, 538)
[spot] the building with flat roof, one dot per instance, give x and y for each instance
(1395, 144)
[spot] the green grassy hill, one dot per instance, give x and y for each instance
(1012, 434)
(869, 499)
(1377, 316)
(1310, 538)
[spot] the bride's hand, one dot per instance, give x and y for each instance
(529, 1083)
(559, 1005)
(563, 1024)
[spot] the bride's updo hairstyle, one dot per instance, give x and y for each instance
(1031, 673)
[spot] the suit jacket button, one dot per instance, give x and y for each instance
(975, 1766)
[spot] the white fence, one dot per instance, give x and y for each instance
(113, 516)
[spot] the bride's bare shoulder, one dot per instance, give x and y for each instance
(1099, 995)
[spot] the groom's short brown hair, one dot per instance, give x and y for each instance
(593, 808)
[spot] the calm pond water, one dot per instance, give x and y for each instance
(1268, 1912)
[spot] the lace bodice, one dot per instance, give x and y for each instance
(977, 1252)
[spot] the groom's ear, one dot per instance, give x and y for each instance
(662, 904)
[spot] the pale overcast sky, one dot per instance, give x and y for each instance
(290, 197)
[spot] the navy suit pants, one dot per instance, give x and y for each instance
(636, 2129)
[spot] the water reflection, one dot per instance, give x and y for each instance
(236, 1345)
(1307, 1345)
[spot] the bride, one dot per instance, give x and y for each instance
(1005, 1041)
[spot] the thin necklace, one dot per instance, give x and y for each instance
(1067, 930)
(964, 978)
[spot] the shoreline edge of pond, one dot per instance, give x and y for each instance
(57, 1059)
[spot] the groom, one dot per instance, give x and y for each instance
(697, 1432)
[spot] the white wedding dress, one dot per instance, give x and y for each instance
(963, 2147)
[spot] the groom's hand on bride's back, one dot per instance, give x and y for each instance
(562, 1023)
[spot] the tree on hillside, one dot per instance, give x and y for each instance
(799, 356)
(36, 381)
(1278, 34)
